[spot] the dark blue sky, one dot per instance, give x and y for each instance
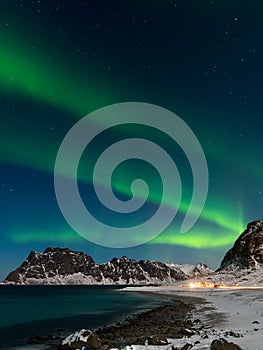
(61, 60)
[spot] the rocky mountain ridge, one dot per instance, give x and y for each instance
(64, 266)
(242, 265)
(247, 251)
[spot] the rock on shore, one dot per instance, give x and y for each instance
(83, 338)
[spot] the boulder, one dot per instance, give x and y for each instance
(84, 337)
(187, 346)
(155, 340)
(222, 344)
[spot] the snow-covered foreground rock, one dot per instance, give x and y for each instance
(81, 339)
(233, 314)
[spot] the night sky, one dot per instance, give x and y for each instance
(61, 60)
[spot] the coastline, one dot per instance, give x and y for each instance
(184, 320)
(233, 314)
(115, 308)
(201, 306)
(129, 328)
(154, 326)
(180, 316)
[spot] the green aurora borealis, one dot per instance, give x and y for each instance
(56, 68)
(23, 74)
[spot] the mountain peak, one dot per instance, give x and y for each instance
(56, 249)
(64, 266)
(247, 251)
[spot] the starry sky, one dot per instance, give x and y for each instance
(61, 60)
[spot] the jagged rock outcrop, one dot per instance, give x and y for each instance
(247, 251)
(64, 266)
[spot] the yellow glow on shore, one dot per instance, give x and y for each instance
(194, 285)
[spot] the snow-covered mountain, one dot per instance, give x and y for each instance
(190, 270)
(64, 266)
(247, 251)
(242, 265)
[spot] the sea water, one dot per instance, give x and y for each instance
(28, 311)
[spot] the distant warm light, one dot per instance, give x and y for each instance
(206, 285)
(193, 285)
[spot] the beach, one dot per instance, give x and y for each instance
(233, 314)
(187, 319)
(154, 326)
(180, 316)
